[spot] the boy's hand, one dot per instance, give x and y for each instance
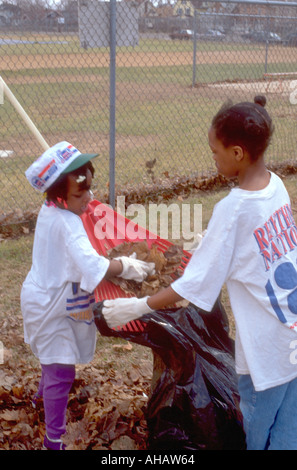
(135, 269)
(118, 312)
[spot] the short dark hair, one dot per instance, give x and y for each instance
(245, 124)
(59, 188)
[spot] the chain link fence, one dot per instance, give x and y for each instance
(138, 82)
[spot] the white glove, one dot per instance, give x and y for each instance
(135, 269)
(121, 311)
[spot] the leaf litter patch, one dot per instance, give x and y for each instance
(106, 408)
(17, 222)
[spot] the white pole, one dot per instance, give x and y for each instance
(20, 110)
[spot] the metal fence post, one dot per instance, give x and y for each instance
(266, 45)
(112, 98)
(194, 48)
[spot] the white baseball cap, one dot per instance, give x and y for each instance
(60, 159)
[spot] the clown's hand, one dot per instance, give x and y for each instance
(135, 269)
(118, 312)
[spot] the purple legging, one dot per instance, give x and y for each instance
(54, 387)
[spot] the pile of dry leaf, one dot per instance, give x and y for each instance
(105, 411)
(107, 402)
(17, 223)
(167, 264)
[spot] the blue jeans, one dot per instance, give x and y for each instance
(270, 416)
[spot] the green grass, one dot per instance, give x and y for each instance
(71, 45)
(162, 74)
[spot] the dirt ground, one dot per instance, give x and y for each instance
(143, 59)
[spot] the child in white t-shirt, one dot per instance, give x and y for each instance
(58, 292)
(251, 246)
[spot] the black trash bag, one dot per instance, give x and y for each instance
(194, 405)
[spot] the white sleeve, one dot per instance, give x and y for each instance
(209, 265)
(90, 264)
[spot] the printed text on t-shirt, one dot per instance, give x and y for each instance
(277, 236)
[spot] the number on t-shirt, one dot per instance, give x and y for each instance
(286, 278)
